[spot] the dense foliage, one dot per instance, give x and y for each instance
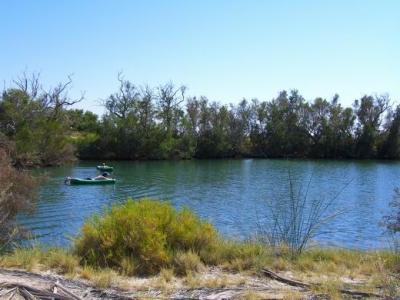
(35, 121)
(161, 123)
(141, 237)
(164, 123)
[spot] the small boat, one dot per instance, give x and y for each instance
(76, 181)
(105, 168)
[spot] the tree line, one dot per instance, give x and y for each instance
(163, 122)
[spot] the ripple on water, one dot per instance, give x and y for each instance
(232, 194)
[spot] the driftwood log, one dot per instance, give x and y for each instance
(308, 286)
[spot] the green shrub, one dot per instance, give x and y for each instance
(146, 232)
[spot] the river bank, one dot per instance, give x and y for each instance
(332, 274)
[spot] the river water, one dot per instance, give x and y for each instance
(234, 195)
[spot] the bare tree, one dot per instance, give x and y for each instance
(121, 103)
(30, 85)
(52, 100)
(169, 99)
(57, 98)
(193, 113)
(146, 108)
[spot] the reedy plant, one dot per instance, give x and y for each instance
(292, 222)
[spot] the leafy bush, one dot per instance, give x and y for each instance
(147, 233)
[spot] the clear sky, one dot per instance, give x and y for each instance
(225, 50)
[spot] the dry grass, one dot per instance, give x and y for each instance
(332, 268)
(24, 258)
(293, 295)
(61, 260)
(103, 278)
(187, 262)
(344, 262)
(128, 267)
(216, 282)
(238, 256)
(167, 274)
(251, 295)
(56, 259)
(330, 287)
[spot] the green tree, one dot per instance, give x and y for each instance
(369, 111)
(391, 145)
(35, 120)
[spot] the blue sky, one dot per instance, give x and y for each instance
(225, 50)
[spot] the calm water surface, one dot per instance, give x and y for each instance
(232, 194)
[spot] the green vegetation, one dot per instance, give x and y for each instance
(146, 237)
(141, 237)
(164, 123)
(34, 120)
(161, 123)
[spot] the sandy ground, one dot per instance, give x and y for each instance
(213, 284)
(236, 287)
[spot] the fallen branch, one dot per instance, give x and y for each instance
(66, 291)
(31, 293)
(304, 285)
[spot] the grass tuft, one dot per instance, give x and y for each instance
(25, 258)
(187, 262)
(103, 278)
(61, 260)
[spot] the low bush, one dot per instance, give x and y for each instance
(142, 237)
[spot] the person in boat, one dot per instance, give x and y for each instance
(103, 176)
